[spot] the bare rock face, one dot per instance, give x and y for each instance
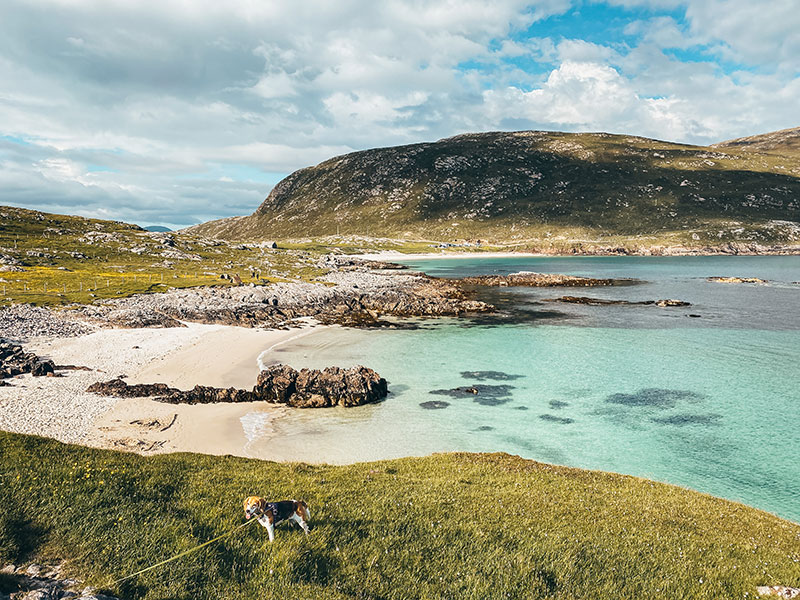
(737, 280)
(120, 389)
(15, 361)
(528, 279)
(668, 302)
(309, 388)
(280, 384)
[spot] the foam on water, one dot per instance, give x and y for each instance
(256, 424)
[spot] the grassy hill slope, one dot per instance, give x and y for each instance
(546, 189)
(58, 259)
(466, 526)
(785, 142)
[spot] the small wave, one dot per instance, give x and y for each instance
(263, 365)
(256, 424)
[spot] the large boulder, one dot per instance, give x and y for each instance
(312, 388)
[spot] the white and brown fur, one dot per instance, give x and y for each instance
(271, 513)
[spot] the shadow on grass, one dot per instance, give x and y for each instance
(20, 538)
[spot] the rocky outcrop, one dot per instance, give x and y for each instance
(15, 361)
(356, 298)
(528, 279)
(346, 262)
(40, 582)
(604, 302)
(279, 384)
(778, 591)
(737, 280)
(309, 388)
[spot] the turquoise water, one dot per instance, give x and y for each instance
(708, 402)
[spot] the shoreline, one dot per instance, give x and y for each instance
(395, 255)
(215, 355)
(217, 429)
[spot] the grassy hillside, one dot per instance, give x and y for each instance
(544, 189)
(785, 142)
(48, 259)
(467, 526)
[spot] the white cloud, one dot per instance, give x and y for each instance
(756, 33)
(163, 95)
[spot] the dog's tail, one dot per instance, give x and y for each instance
(303, 509)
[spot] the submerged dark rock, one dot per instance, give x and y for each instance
(491, 375)
(558, 404)
(689, 419)
(556, 419)
(434, 404)
(653, 397)
(485, 394)
(279, 384)
(668, 302)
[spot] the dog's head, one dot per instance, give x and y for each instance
(253, 506)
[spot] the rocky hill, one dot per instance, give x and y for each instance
(784, 142)
(547, 191)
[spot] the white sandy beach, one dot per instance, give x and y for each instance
(214, 355)
(394, 255)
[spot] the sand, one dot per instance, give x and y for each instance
(394, 255)
(215, 355)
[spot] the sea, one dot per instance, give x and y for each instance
(705, 396)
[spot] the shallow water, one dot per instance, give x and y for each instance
(708, 402)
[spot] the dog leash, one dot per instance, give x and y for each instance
(177, 556)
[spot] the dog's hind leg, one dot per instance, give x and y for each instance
(299, 520)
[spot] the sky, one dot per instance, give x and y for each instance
(175, 112)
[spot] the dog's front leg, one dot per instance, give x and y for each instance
(264, 520)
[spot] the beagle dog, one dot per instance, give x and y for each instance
(270, 514)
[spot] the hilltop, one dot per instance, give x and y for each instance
(785, 142)
(546, 191)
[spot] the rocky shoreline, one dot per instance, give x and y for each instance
(357, 296)
(728, 249)
(667, 302)
(530, 279)
(355, 292)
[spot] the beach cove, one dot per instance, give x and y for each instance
(641, 390)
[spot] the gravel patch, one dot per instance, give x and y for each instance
(21, 322)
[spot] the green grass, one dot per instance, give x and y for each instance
(466, 526)
(63, 266)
